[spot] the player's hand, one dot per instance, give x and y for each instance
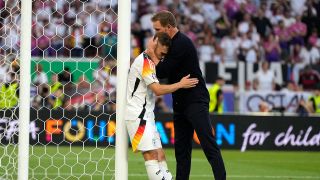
(151, 46)
(187, 82)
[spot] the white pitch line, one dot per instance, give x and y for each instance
(191, 175)
(173, 160)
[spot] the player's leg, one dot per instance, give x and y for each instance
(183, 145)
(152, 165)
(144, 138)
(199, 116)
(163, 164)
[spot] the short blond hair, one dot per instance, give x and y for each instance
(165, 18)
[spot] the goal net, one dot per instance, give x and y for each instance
(73, 84)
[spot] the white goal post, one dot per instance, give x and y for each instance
(24, 110)
(123, 63)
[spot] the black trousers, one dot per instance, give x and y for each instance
(195, 117)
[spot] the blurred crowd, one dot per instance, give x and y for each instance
(252, 31)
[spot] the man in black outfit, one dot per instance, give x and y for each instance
(191, 106)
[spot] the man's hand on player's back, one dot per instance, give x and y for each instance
(187, 82)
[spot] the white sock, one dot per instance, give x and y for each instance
(153, 170)
(164, 168)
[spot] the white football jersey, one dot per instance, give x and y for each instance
(141, 99)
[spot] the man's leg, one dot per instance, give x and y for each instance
(163, 164)
(199, 116)
(183, 146)
(152, 165)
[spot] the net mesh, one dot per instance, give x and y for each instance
(73, 73)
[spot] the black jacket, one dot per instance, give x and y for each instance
(181, 60)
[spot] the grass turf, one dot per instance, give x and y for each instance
(50, 162)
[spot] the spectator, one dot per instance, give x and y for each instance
(205, 49)
(298, 31)
(10, 40)
(196, 16)
(55, 83)
(146, 18)
(272, 49)
(287, 19)
(314, 39)
(9, 96)
(267, 11)
(315, 100)
(262, 23)
(264, 107)
(266, 77)
(139, 34)
(313, 104)
(309, 17)
(290, 86)
(113, 79)
(107, 41)
(310, 54)
(160, 105)
(42, 98)
(298, 6)
(101, 74)
(296, 55)
(248, 48)
(230, 45)
(65, 76)
(83, 85)
(4, 68)
(218, 53)
(90, 31)
(56, 99)
(211, 10)
(43, 42)
(309, 78)
(244, 26)
(250, 7)
(232, 7)
(222, 25)
(75, 41)
(255, 84)
(284, 35)
(277, 14)
(61, 31)
(40, 77)
(216, 96)
(100, 103)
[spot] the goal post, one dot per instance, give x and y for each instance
(63, 95)
(123, 63)
(25, 82)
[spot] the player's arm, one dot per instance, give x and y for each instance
(185, 82)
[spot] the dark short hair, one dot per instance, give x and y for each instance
(219, 78)
(163, 38)
(165, 18)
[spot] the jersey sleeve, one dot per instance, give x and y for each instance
(149, 72)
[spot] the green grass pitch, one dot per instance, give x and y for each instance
(52, 162)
